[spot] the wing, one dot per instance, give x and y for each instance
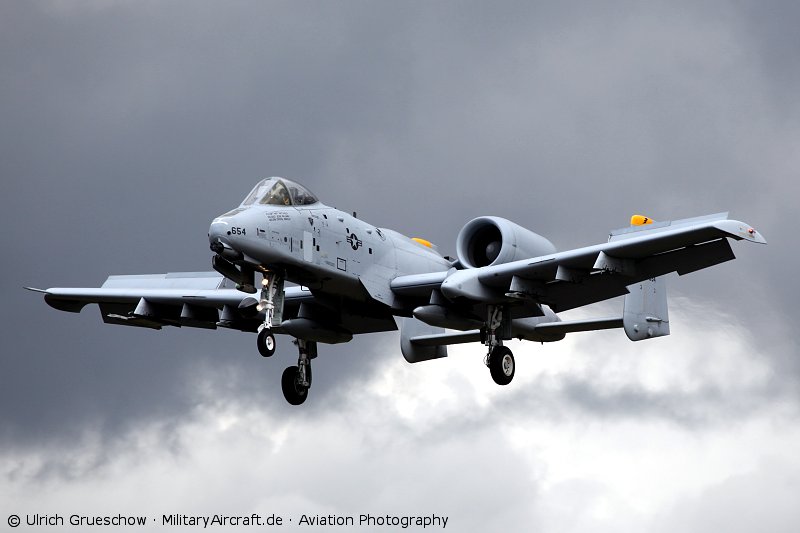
(574, 278)
(193, 299)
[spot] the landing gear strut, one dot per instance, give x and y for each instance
(499, 359)
(296, 380)
(270, 285)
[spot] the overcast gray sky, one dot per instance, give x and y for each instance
(127, 126)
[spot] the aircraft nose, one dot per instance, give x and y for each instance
(217, 232)
(219, 238)
(228, 235)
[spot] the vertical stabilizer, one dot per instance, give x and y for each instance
(415, 353)
(645, 314)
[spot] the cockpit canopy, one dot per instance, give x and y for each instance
(279, 191)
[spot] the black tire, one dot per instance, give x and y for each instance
(294, 392)
(502, 365)
(266, 343)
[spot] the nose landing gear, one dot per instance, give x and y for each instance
(266, 342)
(271, 303)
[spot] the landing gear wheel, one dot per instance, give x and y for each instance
(501, 365)
(294, 392)
(266, 343)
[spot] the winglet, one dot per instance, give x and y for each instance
(739, 230)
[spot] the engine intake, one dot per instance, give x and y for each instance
(486, 241)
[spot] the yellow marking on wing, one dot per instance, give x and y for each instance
(640, 220)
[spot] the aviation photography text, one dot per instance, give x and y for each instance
(219, 520)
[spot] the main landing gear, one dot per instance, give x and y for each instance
(296, 380)
(501, 365)
(500, 360)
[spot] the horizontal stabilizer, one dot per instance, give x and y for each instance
(546, 329)
(445, 339)
(574, 326)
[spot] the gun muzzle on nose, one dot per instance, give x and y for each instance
(225, 250)
(218, 238)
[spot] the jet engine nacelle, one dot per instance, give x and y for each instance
(486, 241)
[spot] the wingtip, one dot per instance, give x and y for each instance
(750, 234)
(34, 289)
(741, 230)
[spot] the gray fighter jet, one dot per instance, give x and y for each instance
(350, 277)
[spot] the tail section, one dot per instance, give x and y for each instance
(415, 352)
(645, 314)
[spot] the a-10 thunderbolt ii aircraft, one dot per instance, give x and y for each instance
(351, 277)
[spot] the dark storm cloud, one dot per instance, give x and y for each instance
(127, 127)
(127, 131)
(776, 46)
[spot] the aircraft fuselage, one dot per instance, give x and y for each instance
(323, 248)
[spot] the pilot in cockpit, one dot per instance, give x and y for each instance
(282, 197)
(277, 191)
(278, 195)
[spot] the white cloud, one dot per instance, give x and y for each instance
(440, 437)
